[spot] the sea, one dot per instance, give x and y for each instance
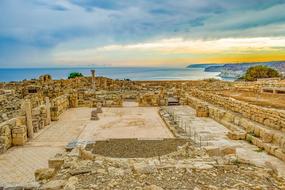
(132, 73)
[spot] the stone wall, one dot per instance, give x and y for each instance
(241, 128)
(58, 106)
(12, 133)
(87, 98)
(272, 118)
(152, 99)
(256, 86)
(10, 104)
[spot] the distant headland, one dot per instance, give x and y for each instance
(236, 70)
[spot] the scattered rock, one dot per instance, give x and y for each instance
(55, 163)
(202, 166)
(153, 187)
(44, 173)
(54, 185)
(228, 150)
(79, 171)
(70, 185)
(86, 155)
(143, 168)
(213, 151)
(116, 171)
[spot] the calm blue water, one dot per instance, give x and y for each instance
(7, 75)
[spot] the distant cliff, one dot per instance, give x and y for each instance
(235, 70)
(203, 65)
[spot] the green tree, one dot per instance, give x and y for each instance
(74, 75)
(260, 71)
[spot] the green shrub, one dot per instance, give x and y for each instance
(257, 72)
(75, 75)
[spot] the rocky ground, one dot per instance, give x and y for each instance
(188, 168)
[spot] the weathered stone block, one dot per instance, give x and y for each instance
(54, 185)
(228, 150)
(55, 163)
(213, 151)
(144, 168)
(266, 136)
(202, 111)
(279, 154)
(19, 140)
(86, 155)
(44, 173)
(236, 135)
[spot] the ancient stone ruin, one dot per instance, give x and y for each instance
(178, 133)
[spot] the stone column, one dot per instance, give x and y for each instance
(48, 119)
(93, 80)
(28, 111)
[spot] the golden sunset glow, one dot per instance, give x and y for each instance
(180, 52)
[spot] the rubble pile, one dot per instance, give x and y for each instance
(187, 168)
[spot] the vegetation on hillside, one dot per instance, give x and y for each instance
(260, 71)
(75, 75)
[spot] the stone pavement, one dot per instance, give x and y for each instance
(127, 122)
(214, 134)
(18, 164)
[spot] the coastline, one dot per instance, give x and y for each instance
(121, 73)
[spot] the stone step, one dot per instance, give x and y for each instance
(241, 128)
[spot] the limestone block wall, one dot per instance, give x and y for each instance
(242, 128)
(12, 133)
(19, 132)
(73, 100)
(58, 106)
(106, 98)
(272, 118)
(39, 117)
(257, 85)
(152, 99)
(10, 104)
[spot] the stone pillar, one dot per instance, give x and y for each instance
(94, 115)
(105, 84)
(93, 80)
(28, 111)
(99, 108)
(48, 119)
(73, 100)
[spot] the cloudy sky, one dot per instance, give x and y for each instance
(172, 33)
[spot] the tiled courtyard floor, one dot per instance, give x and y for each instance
(18, 164)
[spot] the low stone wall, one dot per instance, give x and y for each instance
(12, 133)
(135, 148)
(10, 104)
(272, 118)
(58, 106)
(242, 128)
(106, 98)
(39, 117)
(152, 99)
(258, 85)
